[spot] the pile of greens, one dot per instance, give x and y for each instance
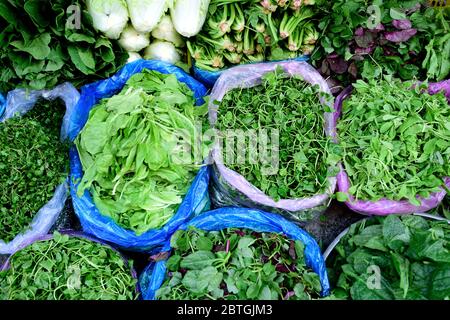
(395, 140)
(360, 38)
(306, 153)
(237, 264)
(41, 45)
(67, 268)
(33, 162)
(244, 31)
(139, 150)
(393, 257)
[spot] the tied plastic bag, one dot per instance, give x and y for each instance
(154, 275)
(92, 220)
(19, 102)
(385, 206)
(209, 78)
(229, 188)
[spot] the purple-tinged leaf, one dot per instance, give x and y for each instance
(402, 24)
(359, 32)
(337, 64)
(363, 51)
(379, 27)
(400, 36)
(365, 39)
(353, 70)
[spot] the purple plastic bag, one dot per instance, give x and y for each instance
(74, 234)
(232, 189)
(385, 206)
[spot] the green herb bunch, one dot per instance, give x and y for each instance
(33, 162)
(306, 153)
(392, 257)
(395, 140)
(236, 264)
(134, 165)
(67, 268)
(41, 45)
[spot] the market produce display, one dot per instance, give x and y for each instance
(180, 181)
(307, 156)
(408, 39)
(67, 268)
(33, 162)
(243, 31)
(42, 46)
(395, 140)
(412, 255)
(237, 264)
(134, 165)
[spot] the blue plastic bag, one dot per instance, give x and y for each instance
(209, 78)
(2, 105)
(19, 102)
(196, 200)
(232, 217)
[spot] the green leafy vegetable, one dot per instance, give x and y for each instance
(306, 153)
(395, 140)
(67, 268)
(33, 162)
(139, 150)
(44, 43)
(237, 265)
(411, 261)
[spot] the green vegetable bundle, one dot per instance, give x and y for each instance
(44, 43)
(235, 264)
(306, 152)
(67, 268)
(362, 39)
(244, 31)
(395, 140)
(33, 162)
(139, 150)
(390, 258)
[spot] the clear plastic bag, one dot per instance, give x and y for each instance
(19, 102)
(231, 188)
(385, 206)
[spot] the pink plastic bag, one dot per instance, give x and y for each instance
(231, 188)
(384, 206)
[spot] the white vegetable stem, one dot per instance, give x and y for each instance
(131, 40)
(162, 50)
(188, 16)
(166, 31)
(108, 16)
(145, 14)
(133, 56)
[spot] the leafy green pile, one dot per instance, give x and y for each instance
(33, 162)
(245, 31)
(394, 257)
(237, 265)
(67, 268)
(39, 48)
(139, 150)
(292, 106)
(395, 140)
(360, 38)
